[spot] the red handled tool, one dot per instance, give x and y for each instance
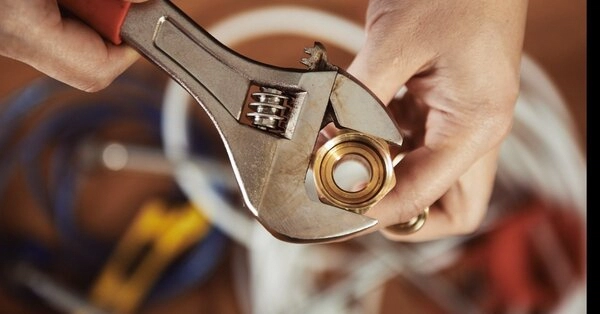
(268, 117)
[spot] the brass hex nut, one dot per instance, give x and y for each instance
(374, 154)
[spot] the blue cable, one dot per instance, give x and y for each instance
(21, 104)
(68, 128)
(17, 108)
(88, 118)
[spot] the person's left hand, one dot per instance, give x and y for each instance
(35, 33)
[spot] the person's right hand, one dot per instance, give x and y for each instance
(35, 33)
(460, 63)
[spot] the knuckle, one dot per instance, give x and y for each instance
(408, 213)
(95, 74)
(506, 92)
(468, 222)
(94, 86)
(95, 82)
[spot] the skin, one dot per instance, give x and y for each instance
(34, 33)
(459, 61)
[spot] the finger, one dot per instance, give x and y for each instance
(460, 210)
(410, 116)
(383, 64)
(75, 54)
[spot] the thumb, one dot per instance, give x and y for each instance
(389, 57)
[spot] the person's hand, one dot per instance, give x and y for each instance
(35, 33)
(459, 61)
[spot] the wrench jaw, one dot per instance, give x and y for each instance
(314, 222)
(286, 207)
(272, 171)
(356, 108)
(366, 134)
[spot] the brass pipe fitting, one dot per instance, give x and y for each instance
(372, 153)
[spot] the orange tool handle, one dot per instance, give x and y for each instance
(104, 16)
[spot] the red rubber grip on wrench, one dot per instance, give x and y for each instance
(104, 16)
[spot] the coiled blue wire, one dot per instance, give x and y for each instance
(66, 129)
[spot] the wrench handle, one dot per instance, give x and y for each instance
(104, 16)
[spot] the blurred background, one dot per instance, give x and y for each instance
(95, 217)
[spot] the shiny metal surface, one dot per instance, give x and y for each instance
(270, 167)
(413, 225)
(371, 153)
